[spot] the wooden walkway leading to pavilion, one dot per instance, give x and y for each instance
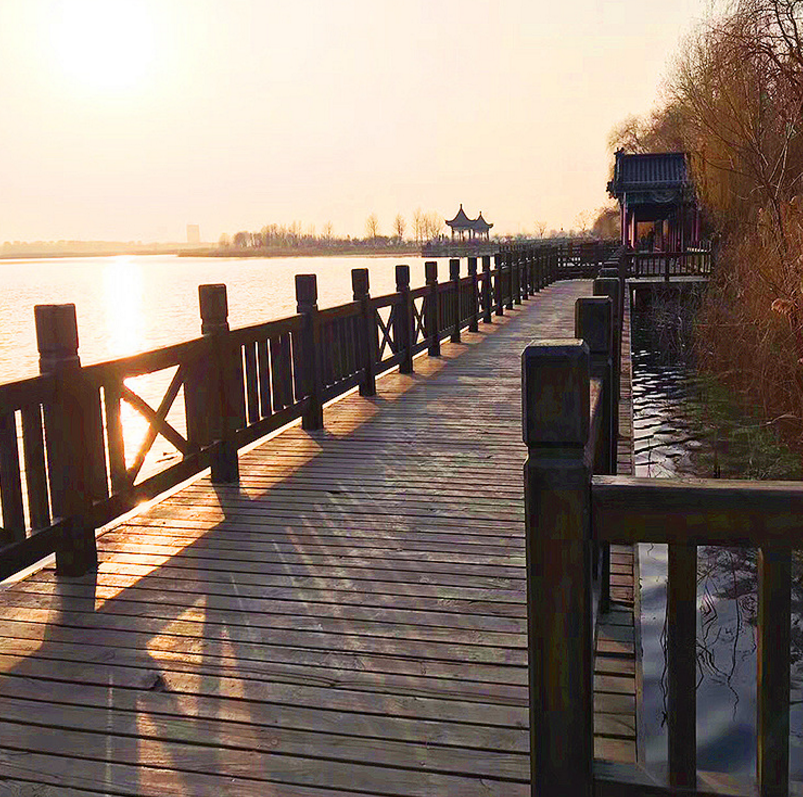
(350, 620)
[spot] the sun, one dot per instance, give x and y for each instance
(104, 44)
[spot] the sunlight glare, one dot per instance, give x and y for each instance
(104, 44)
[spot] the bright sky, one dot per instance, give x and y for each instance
(128, 119)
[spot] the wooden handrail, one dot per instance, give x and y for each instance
(237, 385)
(564, 483)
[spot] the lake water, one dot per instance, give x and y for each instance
(670, 441)
(130, 304)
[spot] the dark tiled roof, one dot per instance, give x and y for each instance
(661, 170)
(481, 225)
(460, 219)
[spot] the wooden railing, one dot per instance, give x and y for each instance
(64, 468)
(669, 264)
(573, 509)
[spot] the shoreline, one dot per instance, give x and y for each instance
(267, 252)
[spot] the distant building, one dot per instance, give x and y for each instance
(469, 228)
(193, 234)
(656, 190)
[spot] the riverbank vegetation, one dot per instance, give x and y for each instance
(734, 102)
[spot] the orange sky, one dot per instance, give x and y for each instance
(128, 119)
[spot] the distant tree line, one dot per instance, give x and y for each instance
(424, 227)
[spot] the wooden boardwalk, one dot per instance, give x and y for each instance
(349, 620)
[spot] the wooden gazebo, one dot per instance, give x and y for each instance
(656, 188)
(465, 227)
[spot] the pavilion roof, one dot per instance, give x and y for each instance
(662, 170)
(461, 220)
(480, 225)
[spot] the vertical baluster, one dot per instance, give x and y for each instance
(33, 446)
(773, 681)
(10, 482)
(264, 379)
(251, 382)
(681, 608)
(454, 276)
(286, 368)
(114, 433)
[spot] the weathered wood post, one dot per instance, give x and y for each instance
(226, 394)
(360, 287)
(681, 651)
(509, 269)
(540, 271)
(774, 567)
(593, 324)
(404, 319)
(487, 317)
(609, 286)
(474, 307)
(67, 434)
(498, 280)
(433, 320)
(454, 276)
(556, 406)
(307, 306)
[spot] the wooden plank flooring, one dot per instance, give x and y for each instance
(349, 620)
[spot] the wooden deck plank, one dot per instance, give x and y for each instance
(350, 618)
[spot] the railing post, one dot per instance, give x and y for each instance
(361, 289)
(773, 681)
(609, 286)
(681, 650)
(475, 309)
(487, 294)
(498, 260)
(556, 405)
(66, 426)
(307, 306)
(454, 276)
(404, 319)
(222, 410)
(433, 309)
(593, 324)
(509, 269)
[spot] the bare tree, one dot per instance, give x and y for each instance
(418, 225)
(540, 227)
(433, 224)
(399, 226)
(372, 226)
(328, 231)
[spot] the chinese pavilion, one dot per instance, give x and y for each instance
(469, 228)
(656, 188)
